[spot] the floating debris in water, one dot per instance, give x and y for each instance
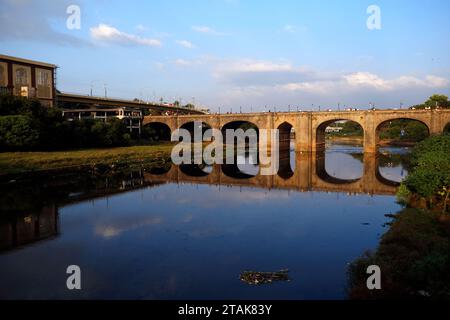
(257, 278)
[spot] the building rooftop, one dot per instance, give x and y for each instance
(37, 63)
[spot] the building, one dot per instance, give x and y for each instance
(333, 129)
(131, 116)
(28, 78)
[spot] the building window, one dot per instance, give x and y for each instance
(43, 78)
(21, 77)
(43, 83)
(2, 76)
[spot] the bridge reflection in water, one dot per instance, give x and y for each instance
(308, 172)
(27, 228)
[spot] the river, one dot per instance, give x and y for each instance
(187, 234)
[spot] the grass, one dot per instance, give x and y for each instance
(23, 162)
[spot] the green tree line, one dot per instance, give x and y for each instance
(27, 125)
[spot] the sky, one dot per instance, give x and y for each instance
(239, 54)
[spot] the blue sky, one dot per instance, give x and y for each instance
(239, 53)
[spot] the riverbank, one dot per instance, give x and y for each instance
(345, 140)
(413, 257)
(360, 140)
(19, 163)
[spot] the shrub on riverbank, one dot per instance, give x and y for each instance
(414, 258)
(429, 178)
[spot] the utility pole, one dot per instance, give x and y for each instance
(106, 94)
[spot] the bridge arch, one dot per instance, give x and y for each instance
(400, 128)
(322, 173)
(156, 131)
(191, 126)
(195, 170)
(446, 129)
(239, 124)
(379, 168)
(321, 129)
(287, 158)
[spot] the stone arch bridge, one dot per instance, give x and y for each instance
(310, 127)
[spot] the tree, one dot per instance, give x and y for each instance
(435, 101)
(17, 132)
(438, 100)
(430, 174)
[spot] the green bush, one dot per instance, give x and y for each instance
(403, 194)
(430, 173)
(17, 133)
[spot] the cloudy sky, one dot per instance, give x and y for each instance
(239, 53)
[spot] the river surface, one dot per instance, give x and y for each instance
(184, 234)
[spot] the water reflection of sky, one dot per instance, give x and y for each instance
(182, 241)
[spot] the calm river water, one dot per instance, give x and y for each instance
(187, 234)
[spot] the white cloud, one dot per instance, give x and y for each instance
(360, 79)
(114, 229)
(182, 62)
(248, 65)
(366, 79)
(141, 27)
(186, 44)
(290, 28)
(107, 33)
(208, 30)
